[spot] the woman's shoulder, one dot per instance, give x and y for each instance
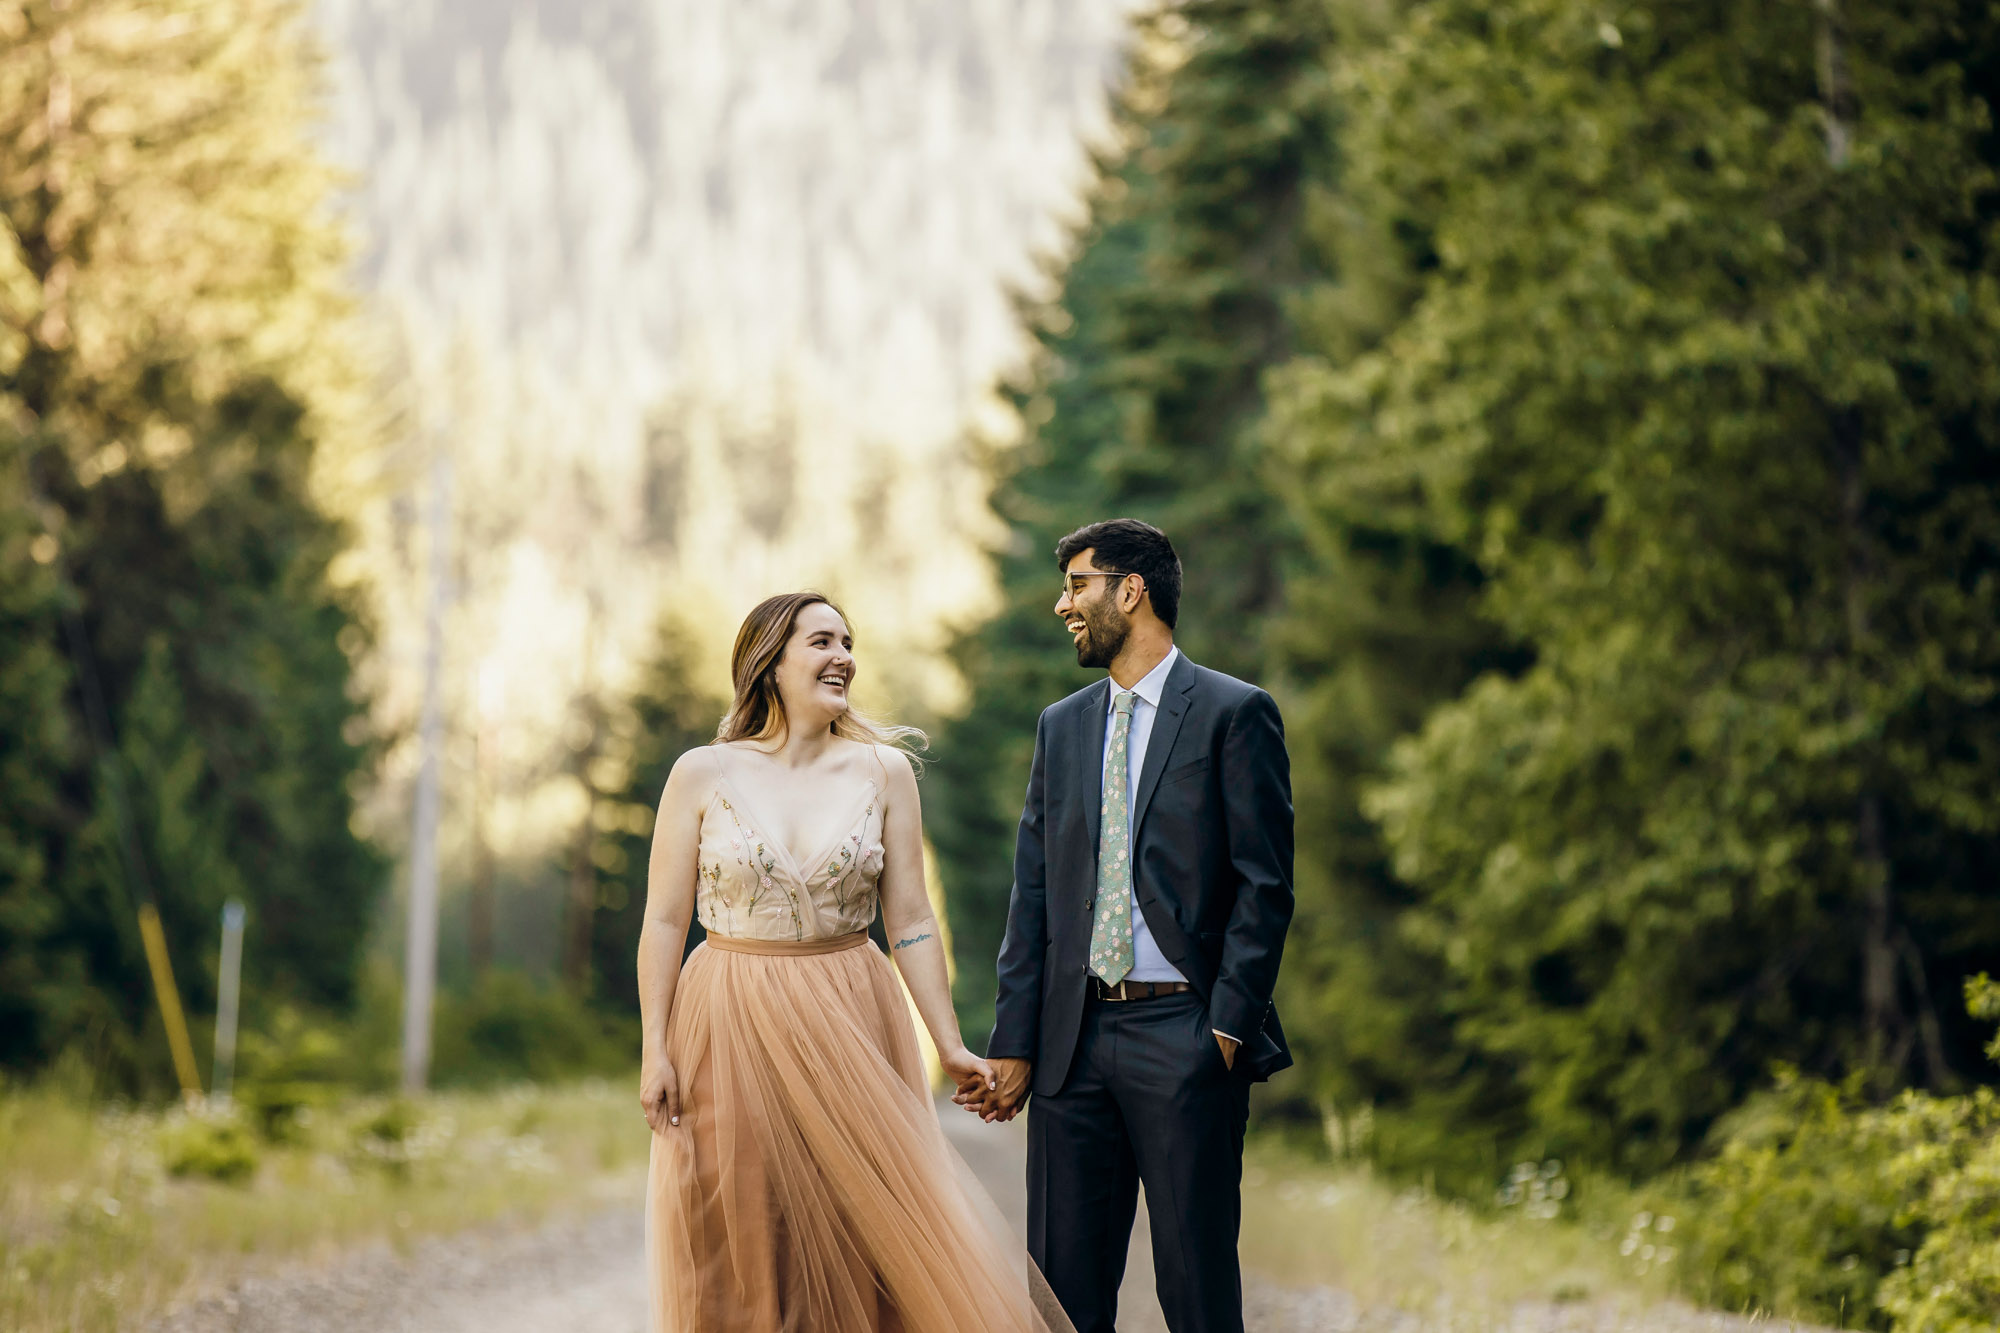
(891, 764)
(695, 773)
(701, 758)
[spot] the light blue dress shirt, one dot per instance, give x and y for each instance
(1148, 963)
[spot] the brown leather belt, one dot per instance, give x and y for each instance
(1129, 989)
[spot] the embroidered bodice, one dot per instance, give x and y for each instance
(748, 885)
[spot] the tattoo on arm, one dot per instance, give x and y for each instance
(917, 939)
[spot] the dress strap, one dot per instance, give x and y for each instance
(737, 944)
(721, 776)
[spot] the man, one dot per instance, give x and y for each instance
(1152, 891)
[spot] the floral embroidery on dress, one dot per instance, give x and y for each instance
(833, 894)
(761, 860)
(840, 864)
(718, 894)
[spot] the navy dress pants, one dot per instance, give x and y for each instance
(1148, 1100)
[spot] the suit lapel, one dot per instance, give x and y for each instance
(1166, 726)
(1090, 754)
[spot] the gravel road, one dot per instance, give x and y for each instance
(587, 1276)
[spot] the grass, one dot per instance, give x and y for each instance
(1307, 1222)
(97, 1232)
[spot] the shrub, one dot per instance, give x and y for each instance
(1952, 1284)
(382, 1136)
(1951, 1170)
(218, 1147)
(1796, 1211)
(510, 1028)
(392, 1122)
(1816, 1203)
(291, 1067)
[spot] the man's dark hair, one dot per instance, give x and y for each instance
(1127, 546)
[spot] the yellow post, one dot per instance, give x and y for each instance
(170, 1000)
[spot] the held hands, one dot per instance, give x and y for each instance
(1002, 1097)
(660, 1096)
(975, 1078)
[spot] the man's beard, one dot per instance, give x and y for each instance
(1104, 635)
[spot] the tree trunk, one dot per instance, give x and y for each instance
(1888, 1039)
(1891, 1030)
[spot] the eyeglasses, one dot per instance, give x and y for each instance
(1073, 584)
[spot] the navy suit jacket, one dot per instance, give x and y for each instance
(1211, 858)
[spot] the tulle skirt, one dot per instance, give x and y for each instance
(808, 1187)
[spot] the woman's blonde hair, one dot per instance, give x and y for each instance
(757, 713)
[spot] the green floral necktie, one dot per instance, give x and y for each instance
(1111, 928)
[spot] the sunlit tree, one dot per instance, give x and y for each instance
(1701, 373)
(173, 359)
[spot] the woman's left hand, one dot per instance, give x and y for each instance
(973, 1075)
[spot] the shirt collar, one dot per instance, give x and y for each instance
(1151, 686)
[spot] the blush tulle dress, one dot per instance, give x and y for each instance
(808, 1187)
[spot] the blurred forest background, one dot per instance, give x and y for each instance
(1583, 419)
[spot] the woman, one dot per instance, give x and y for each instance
(800, 1182)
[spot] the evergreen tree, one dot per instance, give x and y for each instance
(36, 744)
(1382, 624)
(1144, 400)
(172, 368)
(668, 714)
(1702, 374)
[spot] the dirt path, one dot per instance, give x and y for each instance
(587, 1276)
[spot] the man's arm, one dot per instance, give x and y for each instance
(1017, 1012)
(1257, 812)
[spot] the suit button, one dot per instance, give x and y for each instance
(1090, 904)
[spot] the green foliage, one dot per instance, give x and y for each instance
(171, 370)
(1382, 624)
(293, 1064)
(391, 1122)
(1952, 1173)
(1709, 416)
(504, 1028)
(1144, 399)
(668, 714)
(1822, 1204)
(1797, 1212)
(37, 742)
(217, 1147)
(510, 1028)
(381, 1136)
